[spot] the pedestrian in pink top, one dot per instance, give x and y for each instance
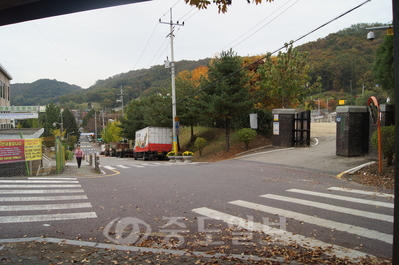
(79, 155)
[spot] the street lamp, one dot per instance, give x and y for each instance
(69, 134)
(61, 126)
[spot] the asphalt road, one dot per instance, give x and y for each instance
(196, 202)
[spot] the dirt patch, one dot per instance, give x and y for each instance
(371, 176)
(237, 148)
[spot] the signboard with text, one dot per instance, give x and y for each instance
(19, 150)
(19, 108)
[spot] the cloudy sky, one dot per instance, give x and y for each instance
(84, 47)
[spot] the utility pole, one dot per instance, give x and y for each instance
(121, 100)
(95, 126)
(172, 66)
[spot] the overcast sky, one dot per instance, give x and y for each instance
(84, 47)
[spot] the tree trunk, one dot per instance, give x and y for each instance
(227, 134)
(192, 134)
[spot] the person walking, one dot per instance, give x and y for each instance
(79, 155)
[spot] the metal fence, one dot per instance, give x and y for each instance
(20, 168)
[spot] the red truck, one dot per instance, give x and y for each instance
(152, 143)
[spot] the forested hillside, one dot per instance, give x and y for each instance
(344, 60)
(40, 92)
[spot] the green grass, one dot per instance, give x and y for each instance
(216, 141)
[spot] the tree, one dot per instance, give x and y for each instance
(221, 4)
(47, 119)
(226, 90)
(286, 77)
(112, 132)
(383, 68)
(246, 135)
(70, 125)
(187, 84)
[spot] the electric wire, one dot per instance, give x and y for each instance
(259, 24)
(59, 52)
(268, 55)
(146, 45)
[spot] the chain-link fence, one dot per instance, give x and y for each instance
(20, 168)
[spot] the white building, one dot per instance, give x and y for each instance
(5, 79)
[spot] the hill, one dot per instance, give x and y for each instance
(40, 92)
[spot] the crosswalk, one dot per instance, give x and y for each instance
(144, 165)
(43, 199)
(376, 214)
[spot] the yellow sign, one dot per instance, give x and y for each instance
(341, 102)
(33, 149)
(390, 31)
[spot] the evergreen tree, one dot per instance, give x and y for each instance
(383, 68)
(226, 90)
(49, 117)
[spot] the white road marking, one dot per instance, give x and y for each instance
(136, 166)
(329, 207)
(42, 186)
(38, 181)
(39, 191)
(371, 193)
(351, 229)
(47, 198)
(122, 166)
(343, 198)
(53, 178)
(44, 207)
(109, 167)
(283, 235)
(46, 217)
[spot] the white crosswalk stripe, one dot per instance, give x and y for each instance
(382, 217)
(64, 210)
(379, 194)
(352, 229)
(144, 165)
(357, 232)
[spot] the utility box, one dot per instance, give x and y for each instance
(283, 127)
(352, 130)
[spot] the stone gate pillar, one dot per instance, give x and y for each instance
(283, 127)
(352, 130)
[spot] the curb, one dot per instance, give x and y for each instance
(353, 170)
(136, 249)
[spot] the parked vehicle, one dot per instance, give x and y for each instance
(124, 149)
(102, 149)
(152, 143)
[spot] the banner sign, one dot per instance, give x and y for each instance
(19, 116)
(33, 149)
(19, 150)
(20, 108)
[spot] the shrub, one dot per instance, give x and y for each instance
(171, 153)
(387, 141)
(246, 135)
(68, 155)
(200, 143)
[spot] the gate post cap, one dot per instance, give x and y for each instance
(355, 109)
(283, 111)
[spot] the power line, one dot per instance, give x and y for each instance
(146, 45)
(55, 48)
(285, 10)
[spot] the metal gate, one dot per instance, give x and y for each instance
(302, 129)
